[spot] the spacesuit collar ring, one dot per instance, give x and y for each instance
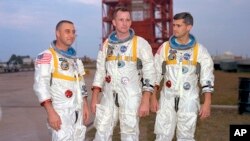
(114, 40)
(175, 45)
(70, 53)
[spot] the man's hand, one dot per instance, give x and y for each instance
(94, 100)
(144, 106)
(54, 119)
(154, 105)
(86, 113)
(205, 110)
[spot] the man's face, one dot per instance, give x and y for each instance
(180, 28)
(122, 22)
(66, 34)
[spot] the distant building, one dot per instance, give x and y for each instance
(225, 56)
(243, 65)
(3, 66)
(229, 65)
(226, 62)
(27, 60)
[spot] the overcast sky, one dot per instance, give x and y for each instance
(27, 26)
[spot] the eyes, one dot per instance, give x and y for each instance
(69, 31)
(124, 20)
(177, 25)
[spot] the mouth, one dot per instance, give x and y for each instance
(70, 40)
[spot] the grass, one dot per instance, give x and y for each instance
(226, 87)
(216, 127)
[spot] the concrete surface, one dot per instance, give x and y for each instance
(21, 116)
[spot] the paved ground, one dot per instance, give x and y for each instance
(21, 116)
(23, 119)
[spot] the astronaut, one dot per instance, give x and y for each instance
(119, 76)
(182, 62)
(60, 87)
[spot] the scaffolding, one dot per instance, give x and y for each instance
(151, 19)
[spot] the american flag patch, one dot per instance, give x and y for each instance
(43, 58)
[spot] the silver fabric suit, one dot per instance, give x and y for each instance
(120, 80)
(179, 98)
(55, 79)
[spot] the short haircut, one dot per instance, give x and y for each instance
(119, 8)
(188, 18)
(61, 22)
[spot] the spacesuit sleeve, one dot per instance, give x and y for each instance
(148, 69)
(100, 67)
(158, 60)
(42, 76)
(82, 81)
(207, 68)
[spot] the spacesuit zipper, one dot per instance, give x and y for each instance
(76, 113)
(176, 103)
(115, 94)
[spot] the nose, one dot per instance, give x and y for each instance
(124, 23)
(175, 28)
(72, 34)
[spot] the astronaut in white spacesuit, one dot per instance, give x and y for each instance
(125, 84)
(182, 62)
(60, 87)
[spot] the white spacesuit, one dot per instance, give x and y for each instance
(119, 75)
(181, 66)
(59, 78)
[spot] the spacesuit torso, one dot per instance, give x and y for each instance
(182, 67)
(120, 77)
(56, 80)
(59, 78)
(117, 64)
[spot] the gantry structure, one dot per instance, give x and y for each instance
(151, 19)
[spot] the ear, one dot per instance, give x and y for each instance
(113, 22)
(189, 27)
(57, 33)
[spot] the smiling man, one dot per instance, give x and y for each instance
(60, 87)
